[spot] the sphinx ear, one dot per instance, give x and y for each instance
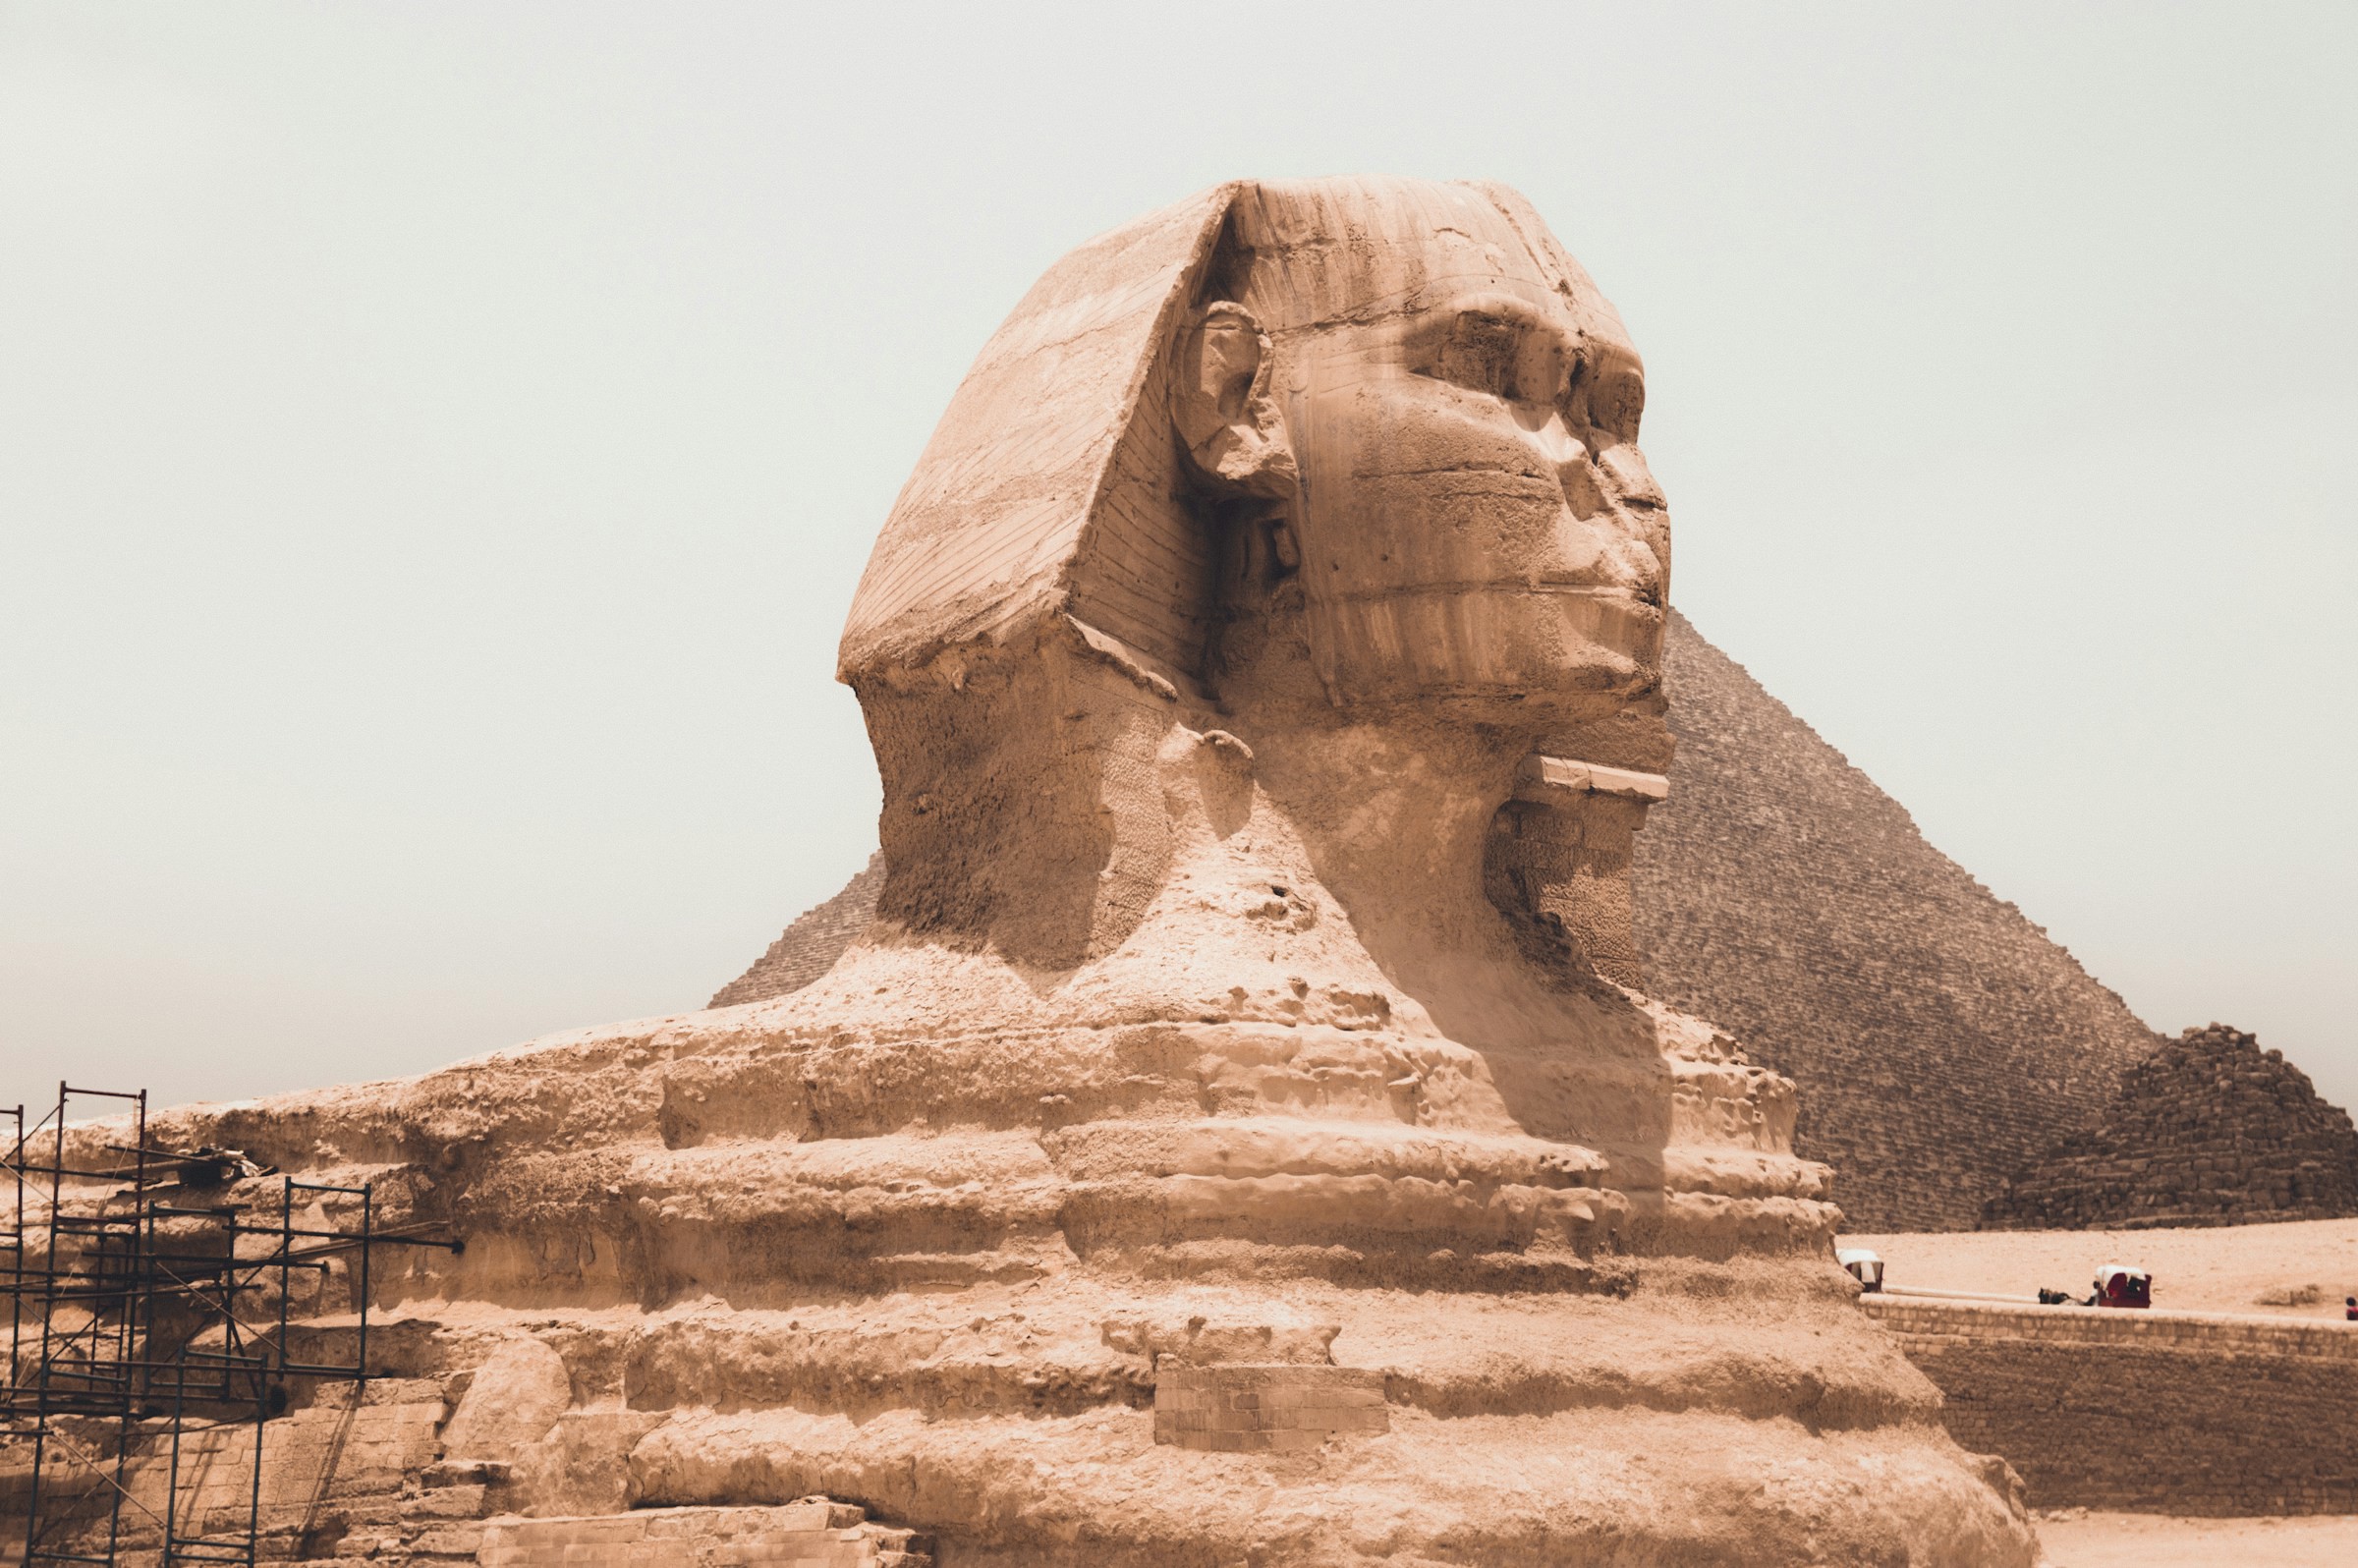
(1221, 405)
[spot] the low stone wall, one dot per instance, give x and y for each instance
(2183, 1413)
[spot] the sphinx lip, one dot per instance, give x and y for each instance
(1647, 595)
(1555, 588)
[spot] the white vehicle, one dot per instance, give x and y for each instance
(1863, 1266)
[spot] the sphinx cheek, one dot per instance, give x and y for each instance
(1582, 492)
(1601, 551)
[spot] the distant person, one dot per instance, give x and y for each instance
(2349, 1309)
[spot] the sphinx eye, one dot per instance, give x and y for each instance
(1545, 365)
(1480, 352)
(1617, 402)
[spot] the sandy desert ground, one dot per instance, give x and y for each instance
(2149, 1540)
(2302, 1269)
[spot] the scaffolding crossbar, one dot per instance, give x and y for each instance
(125, 1302)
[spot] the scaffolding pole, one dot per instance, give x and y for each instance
(116, 1283)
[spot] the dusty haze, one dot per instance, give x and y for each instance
(442, 443)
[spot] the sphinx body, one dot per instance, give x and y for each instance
(1241, 1136)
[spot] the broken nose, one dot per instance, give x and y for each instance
(1632, 480)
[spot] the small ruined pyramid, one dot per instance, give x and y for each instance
(1940, 1039)
(2209, 1129)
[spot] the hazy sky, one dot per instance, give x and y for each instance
(438, 445)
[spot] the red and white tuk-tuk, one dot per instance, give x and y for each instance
(1862, 1265)
(2119, 1285)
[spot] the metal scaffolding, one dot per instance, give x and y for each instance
(141, 1313)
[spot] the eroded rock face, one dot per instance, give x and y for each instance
(1262, 664)
(512, 1401)
(2207, 1130)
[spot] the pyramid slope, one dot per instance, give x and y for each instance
(2210, 1130)
(810, 947)
(1940, 1038)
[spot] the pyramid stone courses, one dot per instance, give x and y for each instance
(810, 947)
(2210, 1130)
(1940, 1038)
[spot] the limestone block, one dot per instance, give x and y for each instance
(582, 1463)
(457, 1541)
(1546, 780)
(516, 1397)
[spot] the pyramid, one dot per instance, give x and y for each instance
(1942, 1041)
(809, 947)
(2209, 1129)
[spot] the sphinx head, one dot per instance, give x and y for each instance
(1341, 455)
(1437, 416)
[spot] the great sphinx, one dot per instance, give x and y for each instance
(1242, 1136)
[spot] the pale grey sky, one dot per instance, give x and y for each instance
(438, 444)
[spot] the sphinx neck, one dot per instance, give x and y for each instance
(1396, 820)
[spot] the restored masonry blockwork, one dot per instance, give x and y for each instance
(2175, 1412)
(814, 1532)
(340, 1478)
(1245, 1409)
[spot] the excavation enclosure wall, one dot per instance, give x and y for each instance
(2181, 1413)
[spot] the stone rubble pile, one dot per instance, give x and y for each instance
(2210, 1130)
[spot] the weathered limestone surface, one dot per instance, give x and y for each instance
(1943, 1039)
(2209, 1129)
(2180, 1412)
(1231, 1014)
